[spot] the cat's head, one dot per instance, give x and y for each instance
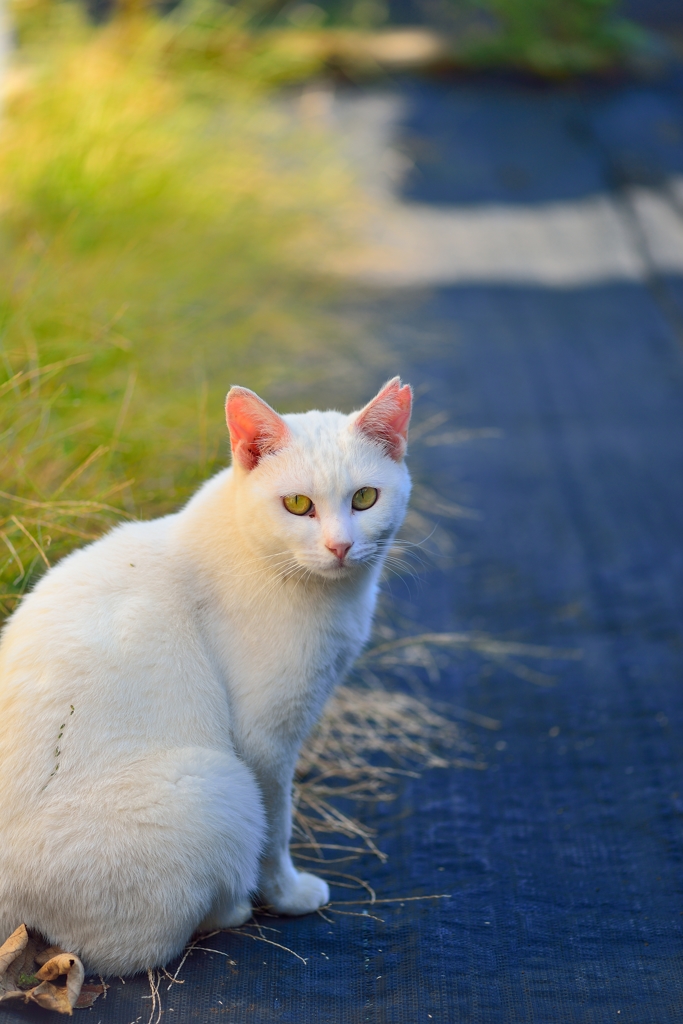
(321, 490)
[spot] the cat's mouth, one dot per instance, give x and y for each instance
(338, 569)
(333, 570)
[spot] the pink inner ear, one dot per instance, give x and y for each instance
(255, 428)
(385, 419)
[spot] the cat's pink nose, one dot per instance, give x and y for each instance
(340, 550)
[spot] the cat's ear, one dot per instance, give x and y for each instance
(385, 419)
(255, 429)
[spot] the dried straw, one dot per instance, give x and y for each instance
(366, 739)
(370, 736)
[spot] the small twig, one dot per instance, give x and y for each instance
(478, 641)
(207, 949)
(51, 525)
(153, 978)
(365, 885)
(76, 507)
(325, 846)
(28, 375)
(33, 540)
(13, 552)
(127, 396)
(327, 860)
(473, 717)
(351, 913)
(529, 675)
(101, 449)
(116, 488)
(260, 927)
(174, 981)
(188, 950)
(260, 938)
(396, 899)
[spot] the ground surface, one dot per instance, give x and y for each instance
(563, 357)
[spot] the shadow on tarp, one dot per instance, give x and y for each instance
(503, 141)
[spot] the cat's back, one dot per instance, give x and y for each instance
(106, 632)
(117, 583)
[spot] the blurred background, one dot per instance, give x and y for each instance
(485, 196)
(195, 194)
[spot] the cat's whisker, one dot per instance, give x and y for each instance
(269, 554)
(265, 570)
(416, 544)
(409, 548)
(299, 575)
(395, 567)
(405, 555)
(307, 576)
(260, 569)
(292, 572)
(398, 560)
(401, 577)
(292, 577)
(266, 575)
(273, 584)
(393, 551)
(401, 541)
(401, 568)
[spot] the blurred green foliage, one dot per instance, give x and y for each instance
(268, 42)
(551, 37)
(158, 225)
(546, 37)
(287, 42)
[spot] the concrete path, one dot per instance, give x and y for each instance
(493, 184)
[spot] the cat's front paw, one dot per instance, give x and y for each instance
(302, 894)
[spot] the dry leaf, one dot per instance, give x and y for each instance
(89, 994)
(47, 954)
(34, 972)
(61, 981)
(11, 949)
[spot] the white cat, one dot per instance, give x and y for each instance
(156, 686)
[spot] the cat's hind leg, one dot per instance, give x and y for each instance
(130, 865)
(226, 913)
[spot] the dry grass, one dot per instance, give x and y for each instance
(366, 739)
(370, 736)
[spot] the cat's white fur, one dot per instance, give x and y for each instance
(171, 670)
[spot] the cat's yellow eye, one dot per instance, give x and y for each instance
(365, 497)
(297, 504)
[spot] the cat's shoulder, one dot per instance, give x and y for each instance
(129, 558)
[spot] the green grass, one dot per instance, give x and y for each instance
(158, 223)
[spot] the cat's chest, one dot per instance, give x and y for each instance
(290, 653)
